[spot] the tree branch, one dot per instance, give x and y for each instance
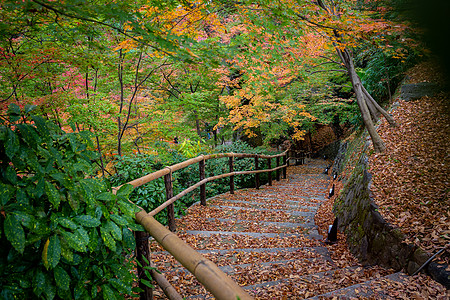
(118, 29)
(333, 70)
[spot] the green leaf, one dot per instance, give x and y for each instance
(125, 190)
(108, 293)
(14, 233)
(128, 239)
(41, 127)
(14, 109)
(29, 108)
(107, 239)
(11, 175)
(29, 135)
(5, 194)
(73, 242)
(67, 223)
(136, 227)
(114, 230)
(25, 219)
(62, 279)
(39, 283)
(93, 240)
(66, 252)
(52, 194)
(22, 198)
(53, 251)
(147, 283)
(87, 221)
(73, 199)
(88, 195)
(106, 196)
(40, 187)
(82, 235)
(12, 143)
(120, 286)
(119, 220)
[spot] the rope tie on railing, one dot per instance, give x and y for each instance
(170, 171)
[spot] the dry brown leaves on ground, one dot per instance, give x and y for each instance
(410, 179)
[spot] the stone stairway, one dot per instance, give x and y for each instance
(266, 240)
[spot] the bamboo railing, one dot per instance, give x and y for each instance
(207, 273)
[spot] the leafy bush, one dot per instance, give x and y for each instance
(152, 194)
(220, 166)
(63, 234)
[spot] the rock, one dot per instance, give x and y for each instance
(416, 91)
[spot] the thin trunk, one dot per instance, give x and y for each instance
(100, 153)
(197, 123)
(378, 144)
(86, 79)
(96, 80)
(121, 100)
(373, 111)
(388, 117)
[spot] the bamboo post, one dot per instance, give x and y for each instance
(143, 250)
(203, 186)
(170, 208)
(257, 174)
(270, 173)
(278, 170)
(231, 162)
(206, 272)
(285, 162)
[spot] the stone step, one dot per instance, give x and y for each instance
(291, 212)
(362, 290)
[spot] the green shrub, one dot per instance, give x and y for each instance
(63, 234)
(152, 194)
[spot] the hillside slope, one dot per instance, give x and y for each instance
(410, 183)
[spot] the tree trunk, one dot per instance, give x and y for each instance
(197, 124)
(346, 58)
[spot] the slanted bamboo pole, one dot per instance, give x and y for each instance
(203, 186)
(165, 285)
(206, 272)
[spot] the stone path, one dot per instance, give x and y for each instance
(266, 240)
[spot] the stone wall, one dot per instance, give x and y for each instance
(370, 237)
(329, 151)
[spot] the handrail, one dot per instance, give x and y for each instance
(207, 273)
(158, 174)
(198, 184)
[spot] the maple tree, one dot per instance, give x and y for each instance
(311, 31)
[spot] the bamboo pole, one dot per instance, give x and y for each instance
(165, 285)
(203, 186)
(269, 173)
(206, 272)
(143, 251)
(158, 174)
(278, 170)
(193, 187)
(231, 163)
(286, 163)
(169, 195)
(256, 174)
